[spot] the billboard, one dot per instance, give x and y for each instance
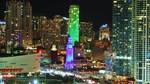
(20, 64)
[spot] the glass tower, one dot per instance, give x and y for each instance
(141, 40)
(74, 22)
(121, 36)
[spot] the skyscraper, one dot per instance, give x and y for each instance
(141, 40)
(27, 23)
(47, 32)
(36, 24)
(86, 36)
(19, 23)
(74, 23)
(121, 36)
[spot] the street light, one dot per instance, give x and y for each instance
(35, 81)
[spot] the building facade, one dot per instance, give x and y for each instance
(86, 37)
(36, 27)
(74, 23)
(47, 32)
(19, 64)
(19, 23)
(27, 24)
(121, 36)
(141, 40)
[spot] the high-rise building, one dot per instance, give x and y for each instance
(86, 37)
(36, 24)
(86, 31)
(27, 23)
(19, 23)
(121, 36)
(74, 23)
(141, 40)
(60, 25)
(47, 32)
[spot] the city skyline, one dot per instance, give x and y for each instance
(95, 42)
(89, 11)
(97, 12)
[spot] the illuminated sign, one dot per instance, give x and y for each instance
(8, 76)
(22, 64)
(2, 22)
(7, 70)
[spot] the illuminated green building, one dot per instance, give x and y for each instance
(74, 22)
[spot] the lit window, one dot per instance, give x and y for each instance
(115, 1)
(140, 29)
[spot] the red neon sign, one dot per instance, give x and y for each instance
(11, 70)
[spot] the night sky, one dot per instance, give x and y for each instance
(96, 11)
(2, 9)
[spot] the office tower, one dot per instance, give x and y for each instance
(74, 23)
(18, 19)
(27, 24)
(86, 31)
(41, 33)
(121, 36)
(60, 25)
(36, 24)
(141, 40)
(86, 36)
(49, 31)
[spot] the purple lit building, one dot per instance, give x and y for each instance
(69, 55)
